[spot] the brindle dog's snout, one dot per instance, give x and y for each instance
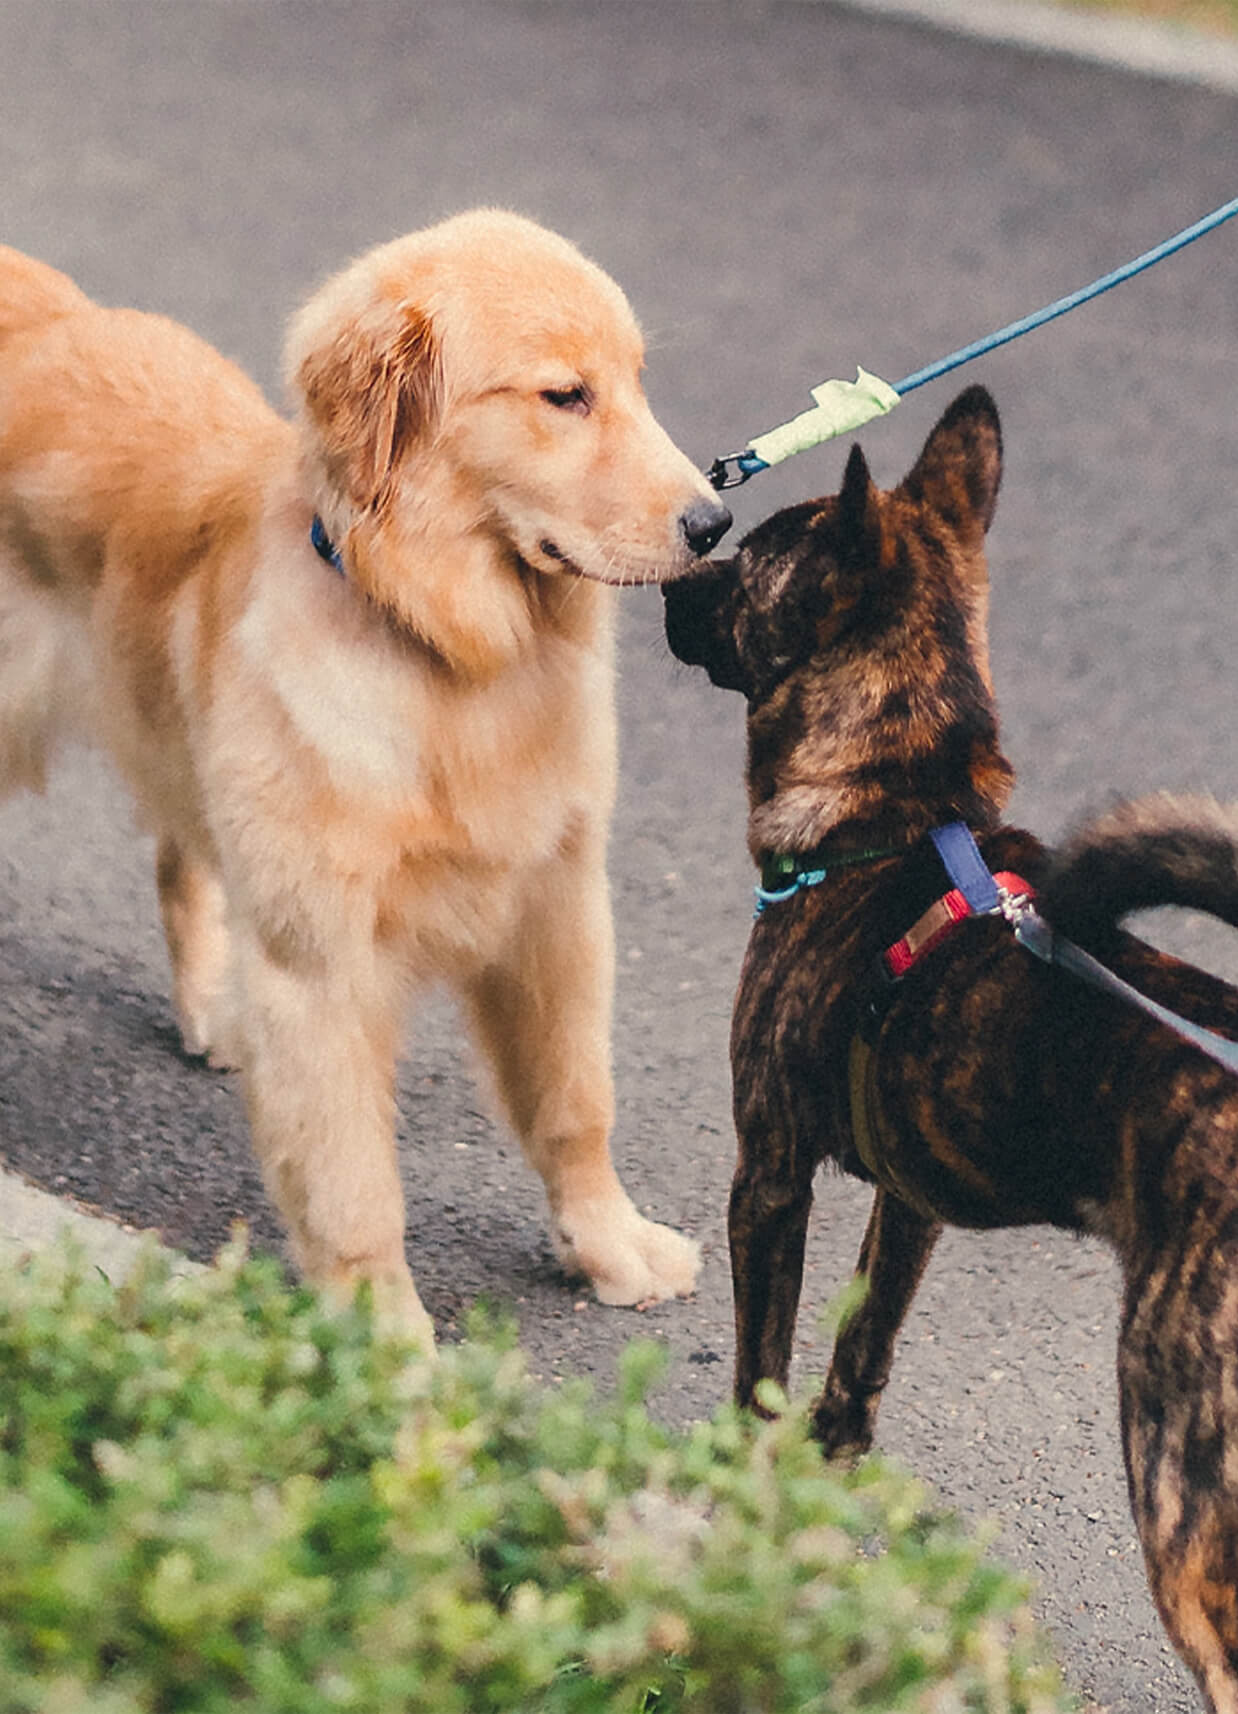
(699, 613)
(691, 615)
(704, 524)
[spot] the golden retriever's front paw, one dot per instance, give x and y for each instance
(208, 1036)
(627, 1258)
(397, 1309)
(217, 1056)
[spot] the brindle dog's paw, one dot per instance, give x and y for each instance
(843, 1421)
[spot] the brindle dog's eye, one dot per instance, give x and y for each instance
(575, 399)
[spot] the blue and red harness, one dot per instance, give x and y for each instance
(976, 891)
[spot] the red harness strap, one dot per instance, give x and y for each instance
(939, 920)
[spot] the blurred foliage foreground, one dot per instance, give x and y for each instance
(214, 1496)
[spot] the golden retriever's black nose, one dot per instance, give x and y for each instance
(704, 524)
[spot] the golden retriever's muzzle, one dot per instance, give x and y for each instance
(700, 526)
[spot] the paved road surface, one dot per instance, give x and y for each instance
(785, 190)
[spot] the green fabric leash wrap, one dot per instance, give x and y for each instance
(841, 407)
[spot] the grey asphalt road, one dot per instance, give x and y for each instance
(786, 190)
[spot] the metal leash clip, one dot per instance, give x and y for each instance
(1016, 908)
(1030, 928)
(746, 464)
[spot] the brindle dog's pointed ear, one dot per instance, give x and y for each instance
(857, 515)
(960, 470)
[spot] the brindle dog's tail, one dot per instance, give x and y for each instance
(1158, 850)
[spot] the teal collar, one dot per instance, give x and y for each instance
(784, 873)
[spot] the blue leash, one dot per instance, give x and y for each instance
(851, 404)
(1051, 311)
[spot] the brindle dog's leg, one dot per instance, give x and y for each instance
(893, 1256)
(771, 1197)
(1178, 1382)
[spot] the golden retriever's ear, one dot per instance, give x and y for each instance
(372, 387)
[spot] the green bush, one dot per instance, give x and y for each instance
(214, 1497)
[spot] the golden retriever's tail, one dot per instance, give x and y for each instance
(44, 659)
(32, 294)
(1157, 850)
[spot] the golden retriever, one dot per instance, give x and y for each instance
(357, 670)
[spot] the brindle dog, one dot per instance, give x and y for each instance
(988, 1088)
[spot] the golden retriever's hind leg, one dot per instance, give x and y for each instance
(319, 1075)
(191, 902)
(543, 1020)
(44, 680)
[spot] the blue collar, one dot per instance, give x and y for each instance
(324, 547)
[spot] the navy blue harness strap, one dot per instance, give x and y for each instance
(961, 859)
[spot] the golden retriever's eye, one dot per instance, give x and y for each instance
(574, 399)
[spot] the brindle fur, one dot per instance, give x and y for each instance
(855, 626)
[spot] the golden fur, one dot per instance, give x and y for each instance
(359, 782)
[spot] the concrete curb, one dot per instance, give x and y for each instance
(34, 1220)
